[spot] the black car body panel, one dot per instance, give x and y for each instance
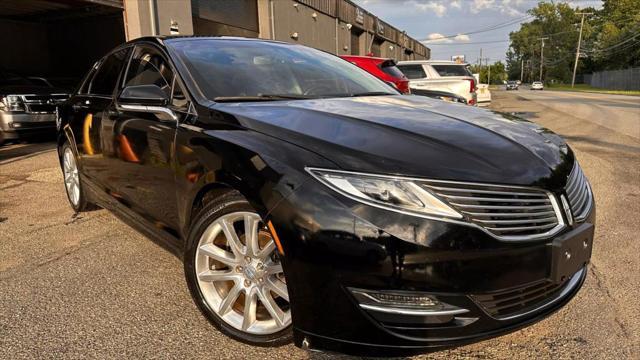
(154, 173)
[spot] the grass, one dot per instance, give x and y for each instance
(589, 88)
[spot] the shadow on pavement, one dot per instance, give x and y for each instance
(605, 144)
(11, 152)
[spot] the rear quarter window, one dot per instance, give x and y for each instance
(390, 68)
(452, 70)
(413, 71)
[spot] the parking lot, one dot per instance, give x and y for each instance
(90, 286)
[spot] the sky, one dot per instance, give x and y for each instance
(443, 24)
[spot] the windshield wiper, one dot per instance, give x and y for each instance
(262, 97)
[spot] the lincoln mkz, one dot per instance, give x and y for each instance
(313, 203)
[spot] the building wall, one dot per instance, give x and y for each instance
(225, 17)
(312, 27)
(154, 17)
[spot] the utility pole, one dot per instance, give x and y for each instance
(542, 55)
(575, 65)
(521, 70)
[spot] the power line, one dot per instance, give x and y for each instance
(489, 28)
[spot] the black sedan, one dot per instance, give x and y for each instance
(312, 202)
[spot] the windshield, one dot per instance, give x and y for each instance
(236, 69)
(452, 70)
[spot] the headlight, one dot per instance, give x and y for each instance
(12, 103)
(397, 194)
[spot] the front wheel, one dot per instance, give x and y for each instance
(76, 193)
(234, 273)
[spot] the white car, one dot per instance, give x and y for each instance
(484, 95)
(447, 76)
(537, 85)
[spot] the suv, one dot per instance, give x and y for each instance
(383, 69)
(27, 106)
(446, 76)
(512, 85)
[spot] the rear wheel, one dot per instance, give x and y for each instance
(235, 275)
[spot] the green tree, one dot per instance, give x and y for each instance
(498, 72)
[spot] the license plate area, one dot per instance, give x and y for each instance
(570, 252)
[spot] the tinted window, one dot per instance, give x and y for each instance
(389, 67)
(452, 70)
(148, 67)
(413, 71)
(107, 75)
(235, 68)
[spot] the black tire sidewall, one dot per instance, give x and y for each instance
(225, 204)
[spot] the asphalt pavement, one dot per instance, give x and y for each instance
(89, 286)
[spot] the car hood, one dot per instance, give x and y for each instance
(412, 136)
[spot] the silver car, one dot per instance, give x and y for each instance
(27, 106)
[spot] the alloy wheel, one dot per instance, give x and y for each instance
(240, 276)
(71, 177)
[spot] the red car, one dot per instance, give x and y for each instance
(383, 69)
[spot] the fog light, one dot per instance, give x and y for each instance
(403, 300)
(404, 303)
(16, 125)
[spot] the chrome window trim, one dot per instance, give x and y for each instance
(512, 238)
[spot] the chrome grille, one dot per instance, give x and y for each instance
(43, 104)
(579, 193)
(510, 213)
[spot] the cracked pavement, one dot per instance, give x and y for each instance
(89, 286)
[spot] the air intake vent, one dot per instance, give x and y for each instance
(524, 299)
(510, 213)
(579, 193)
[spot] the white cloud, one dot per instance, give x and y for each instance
(479, 5)
(438, 8)
(435, 38)
(455, 4)
(438, 38)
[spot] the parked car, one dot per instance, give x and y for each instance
(27, 106)
(511, 85)
(446, 76)
(383, 69)
(484, 95)
(537, 85)
(251, 159)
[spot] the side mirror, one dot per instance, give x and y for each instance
(147, 95)
(147, 99)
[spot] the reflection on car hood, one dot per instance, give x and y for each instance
(412, 136)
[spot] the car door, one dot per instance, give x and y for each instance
(88, 107)
(143, 175)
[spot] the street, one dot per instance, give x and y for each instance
(89, 286)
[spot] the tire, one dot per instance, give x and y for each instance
(76, 193)
(216, 267)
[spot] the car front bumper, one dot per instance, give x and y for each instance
(14, 125)
(333, 244)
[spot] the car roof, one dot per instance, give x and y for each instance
(364, 57)
(160, 39)
(431, 62)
